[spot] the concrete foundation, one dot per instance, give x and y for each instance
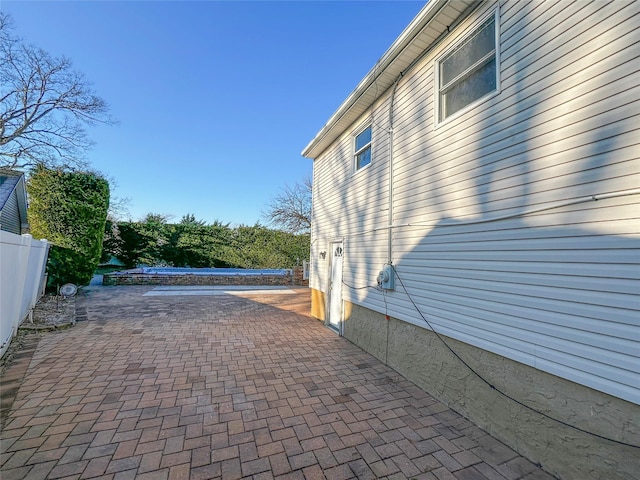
(565, 452)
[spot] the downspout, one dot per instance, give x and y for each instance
(390, 209)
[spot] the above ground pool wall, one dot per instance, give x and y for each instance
(294, 278)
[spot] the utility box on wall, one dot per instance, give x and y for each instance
(386, 278)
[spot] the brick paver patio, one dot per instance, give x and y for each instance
(199, 387)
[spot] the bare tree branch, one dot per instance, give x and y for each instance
(44, 106)
(291, 208)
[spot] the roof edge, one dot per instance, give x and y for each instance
(17, 185)
(422, 19)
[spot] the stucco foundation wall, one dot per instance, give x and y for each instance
(562, 451)
(318, 304)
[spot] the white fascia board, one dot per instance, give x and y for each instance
(397, 56)
(21, 191)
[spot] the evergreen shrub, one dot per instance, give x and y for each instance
(69, 209)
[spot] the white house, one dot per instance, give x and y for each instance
(489, 165)
(13, 202)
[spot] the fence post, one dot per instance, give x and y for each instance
(23, 274)
(35, 269)
(44, 256)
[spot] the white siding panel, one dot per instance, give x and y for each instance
(565, 28)
(539, 189)
(500, 286)
(365, 192)
(554, 135)
(553, 320)
(577, 255)
(464, 269)
(10, 215)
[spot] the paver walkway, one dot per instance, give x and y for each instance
(199, 387)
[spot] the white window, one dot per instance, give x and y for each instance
(469, 72)
(362, 153)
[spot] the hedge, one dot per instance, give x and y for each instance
(69, 209)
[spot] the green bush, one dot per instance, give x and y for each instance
(194, 244)
(68, 266)
(69, 209)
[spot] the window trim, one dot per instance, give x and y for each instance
(438, 88)
(357, 152)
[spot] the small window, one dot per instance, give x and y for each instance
(469, 72)
(363, 148)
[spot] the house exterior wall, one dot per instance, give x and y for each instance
(555, 289)
(496, 241)
(13, 202)
(10, 215)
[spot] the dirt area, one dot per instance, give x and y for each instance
(50, 312)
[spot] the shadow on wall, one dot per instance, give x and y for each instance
(523, 290)
(564, 304)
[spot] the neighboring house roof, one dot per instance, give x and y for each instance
(433, 21)
(13, 201)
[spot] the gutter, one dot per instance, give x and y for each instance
(428, 13)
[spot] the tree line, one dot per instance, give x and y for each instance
(154, 241)
(70, 210)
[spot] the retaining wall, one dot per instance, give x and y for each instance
(135, 278)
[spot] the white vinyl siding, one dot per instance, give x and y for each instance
(13, 210)
(366, 194)
(10, 215)
(556, 289)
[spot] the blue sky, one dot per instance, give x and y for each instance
(215, 100)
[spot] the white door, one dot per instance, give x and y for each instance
(335, 287)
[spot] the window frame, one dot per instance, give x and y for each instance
(440, 90)
(358, 151)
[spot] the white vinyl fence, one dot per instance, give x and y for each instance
(305, 269)
(23, 261)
